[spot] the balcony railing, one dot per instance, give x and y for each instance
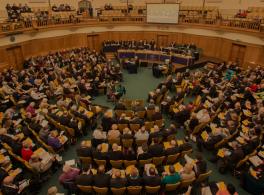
(217, 23)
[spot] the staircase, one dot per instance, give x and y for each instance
(110, 56)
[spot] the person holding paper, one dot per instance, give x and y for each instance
(12, 114)
(130, 155)
(254, 139)
(200, 164)
(188, 173)
(35, 95)
(98, 134)
(54, 142)
(145, 155)
(167, 84)
(171, 177)
(114, 133)
(5, 171)
(143, 134)
(157, 133)
(11, 187)
(6, 138)
(209, 142)
(133, 178)
(26, 151)
(247, 147)
(156, 150)
(153, 179)
(173, 149)
(185, 146)
(99, 154)
(137, 120)
(31, 109)
(203, 116)
(76, 127)
(64, 119)
(165, 105)
(151, 96)
(84, 150)
(102, 179)
(193, 122)
(17, 145)
(86, 177)
(115, 154)
(34, 125)
(117, 181)
(69, 174)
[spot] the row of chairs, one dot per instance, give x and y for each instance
(124, 8)
(199, 8)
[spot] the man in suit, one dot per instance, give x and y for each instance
(172, 150)
(179, 96)
(152, 43)
(154, 96)
(156, 150)
(165, 105)
(74, 125)
(108, 119)
(151, 105)
(126, 135)
(84, 150)
(101, 179)
(210, 141)
(4, 172)
(253, 138)
(64, 119)
(86, 118)
(157, 133)
(138, 108)
(168, 83)
(17, 146)
(178, 79)
(145, 42)
(145, 155)
(120, 105)
(247, 147)
(137, 120)
(34, 125)
(5, 138)
(117, 181)
(85, 179)
(157, 115)
(74, 111)
(153, 179)
(98, 154)
(43, 134)
(52, 115)
(81, 86)
(185, 146)
(123, 120)
(236, 155)
(115, 154)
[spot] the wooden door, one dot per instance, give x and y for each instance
(15, 58)
(237, 54)
(162, 41)
(93, 42)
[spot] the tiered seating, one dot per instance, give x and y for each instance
(255, 11)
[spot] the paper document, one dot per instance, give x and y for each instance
(148, 167)
(44, 123)
(255, 159)
(105, 146)
(17, 122)
(189, 160)
(70, 162)
(140, 151)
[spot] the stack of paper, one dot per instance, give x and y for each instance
(140, 151)
(128, 169)
(17, 122)
(221, 186)
(193, 137)
(179, 142)
(63, 139)
(148, 167)
(105, 147)
(255, 160)
(205, 91)
(70, 162)
(261, 154)
(44, 123)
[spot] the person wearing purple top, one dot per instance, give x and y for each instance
(53, 141)
(69, 174)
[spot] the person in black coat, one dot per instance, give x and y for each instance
(126, 135)
(115, 154)
(85, 179)
(102, 180)
(98, 154)
(64, 119)
(117, 181)
(185, 146)
(156, 134)
(52, 115)
(165, 105)
(193, 122)
(34, 125)
(209, 142)
(145, 155)
(236, 155)
(123, 120)
(153, 179)
(81, 86)
(201, 164)
(172, 150)
(77, 128)
(17, 146)
(4, 172)
(247, 147)
(156, 150)
(134, 179)
(168, 132)
(137, 120)
(84, 150)
(120, 105)
(130, 155)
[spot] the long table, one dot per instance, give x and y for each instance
(111, 48)
(156, 56)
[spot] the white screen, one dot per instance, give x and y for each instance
(163, 13)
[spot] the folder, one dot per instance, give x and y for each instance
(128, 169)
(179, 142)
(166, 144)
(220, 153)
(204, 135)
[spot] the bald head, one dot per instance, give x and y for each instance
(118, 173)
(173, 143)
(101, 169)
(156, 109)
(115, 147)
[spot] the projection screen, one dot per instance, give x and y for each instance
(163, 13)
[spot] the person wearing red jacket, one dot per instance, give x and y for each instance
(244, 14)
(253, 87)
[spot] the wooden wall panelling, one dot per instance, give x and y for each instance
(123, 36)
(27, 49)
(115, 36)
(225, 50)
(3, 57)
(218, 47)
(150, 35)
(261, 57)
(252, 55)
(139, 36)
(179, 41)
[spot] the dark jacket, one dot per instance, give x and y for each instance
(64, 120)
(118, 183)
(115, 155)
(135, 182)
(120, 107)
(235, 156)
(102, 180)
(172, 151)
(185, 147)
(36, 127)
(156, 150)
(84, 180)
(16, 148)
(151, 181)
(84, 152)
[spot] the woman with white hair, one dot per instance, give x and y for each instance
(52, 191)
(44, 103)
(31, 109)
(69, 174)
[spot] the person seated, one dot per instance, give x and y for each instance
(102, 179)
(210, 141)
(64, 119)
(134, 179)
(17, 145)
(246, 147)
(117, 181)
(74, 111)
(115, 154)
(137, 120)
(169, 132)
(34, 125)
(153, 179)
(84, 150)
(185, 146)
(69, 93)
(151, 105)
(157, 133)
(26, 151)
(98, 154)
(171, 177)
(86, 177)
(107, 119)
(41, 167)
(188, 173)
(201, 164)
(114, 133)
(99, 85)
(11, 187)
(69, 174)
(153, 97)
(253, 138)
(145, 155)
(165, 105)
(5, 171)
(120, 105)
(35, 95)
(156, 150)
(180, 95)
(157, 115)
(52, 115)
(142, 134)
(31, 109)
(55, 143)
(73, 124)
(244, 14)
(123, 120)
(130, 155)
(203, 116)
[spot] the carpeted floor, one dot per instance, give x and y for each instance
(138, 86)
